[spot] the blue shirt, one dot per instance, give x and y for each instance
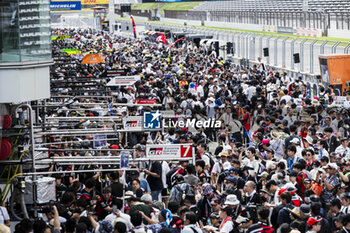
(291, 161)
(143, 185)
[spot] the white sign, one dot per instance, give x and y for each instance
(133, 123)
(169, 151)
(123, 81)
(339, 100)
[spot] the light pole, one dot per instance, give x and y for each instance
(111, 16)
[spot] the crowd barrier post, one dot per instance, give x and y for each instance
(334, 47)
(275, 50)
(301, 63)
(322, 46)
(284, 51)
(268, 46)
(346, 49)
(312, 44)
(239, 44)
(260, 45)
(292, 43)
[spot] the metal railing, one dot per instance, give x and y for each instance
(281, 48)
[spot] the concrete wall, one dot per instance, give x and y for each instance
(241, 26)
(20, 83)
(337, 33)
(181, 21)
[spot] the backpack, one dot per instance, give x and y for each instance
(211, 160)
(180, 194)
(170, 176)
(317, 188)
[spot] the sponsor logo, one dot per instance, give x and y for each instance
(131, 124)
(151, 120)
(156, 151)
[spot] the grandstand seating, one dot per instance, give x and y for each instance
(330, 6)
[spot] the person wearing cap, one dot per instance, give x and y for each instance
(203, 204)
(296, 142)
(181, 190)
(215, 219)
(330, 180)
(227, 224)
(215, 204)
(314, 224)
(230, 187)
(293, 134)
(219, 166)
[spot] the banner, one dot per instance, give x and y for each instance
(117, 72)
(61, 37)
(124, 159)
(66, 5)
(133, 25)
(286, 30)
(93, 58)
(100, 141)
(93, 2)
(169, 151)
(71, 51)
(123, 80)
(145, 101)
(133, 123)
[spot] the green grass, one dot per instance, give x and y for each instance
(184, 6)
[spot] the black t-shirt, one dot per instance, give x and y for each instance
(117, 189)
(203, 177)
(155, 183)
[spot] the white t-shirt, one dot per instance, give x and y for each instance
(4, 216)
(165, 170)
(227, 227)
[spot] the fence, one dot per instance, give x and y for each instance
(317, 20)
(73, 21)
(281, 48)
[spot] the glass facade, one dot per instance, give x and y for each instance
(25, 30)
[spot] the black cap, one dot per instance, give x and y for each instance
(305, 208)
(214, 215)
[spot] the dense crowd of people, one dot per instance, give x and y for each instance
(280, 162)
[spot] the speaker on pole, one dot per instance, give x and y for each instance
(229, 47)
(296, 58)
(266, 52)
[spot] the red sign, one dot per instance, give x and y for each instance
(186, 151)
(145, 101)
